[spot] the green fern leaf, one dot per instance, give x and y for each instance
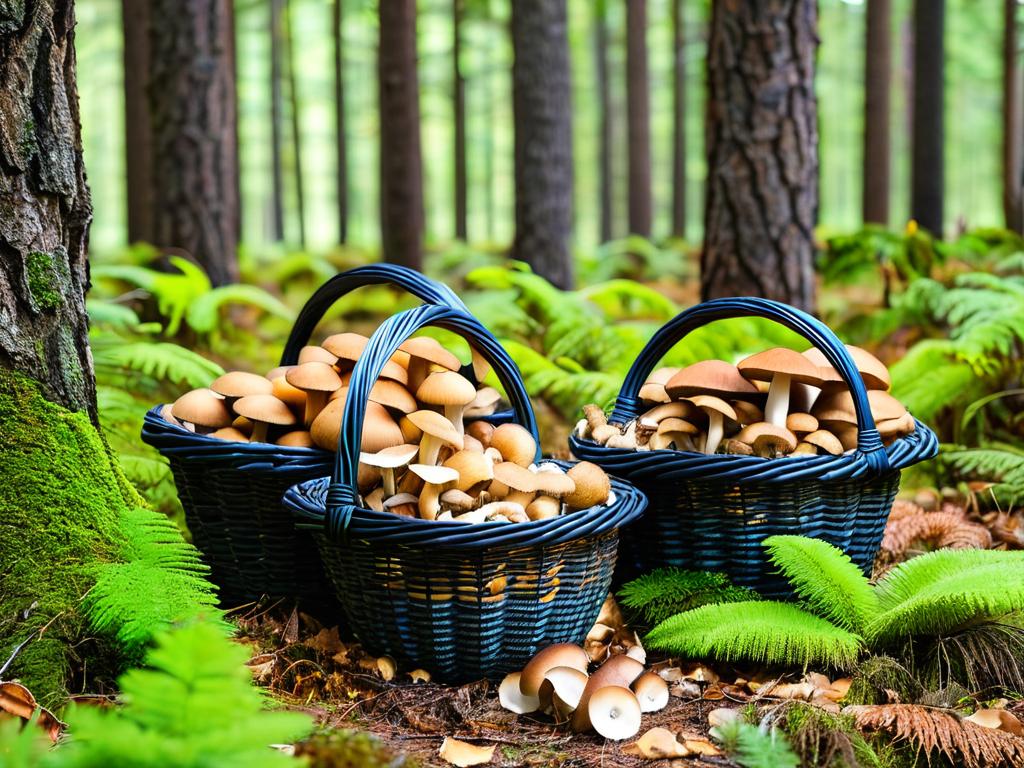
(664, 592)
(764, 632)
(203, 315)
(751, 746)
(826, 580)
(162, 360)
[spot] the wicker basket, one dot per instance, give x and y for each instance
(231, 492)
(711, 513)
(463, 601)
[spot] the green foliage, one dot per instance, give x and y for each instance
(821, 738)
(752, 746)
(21, 746)
(194, 706)
(999, 463)
(876, 678)
(157, 579)
(664, 592)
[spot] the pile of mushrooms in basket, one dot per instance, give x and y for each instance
(775, 403)
(418, 456)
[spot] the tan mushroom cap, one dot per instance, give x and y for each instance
(883, 406)
(515, 444)
(311, 354)
(278, 372)
(653, 389)
(678, 409)
(557, 655)
(239, 384)
(299, 438)
(482, 431)
(458, 501)
(593, 486)
(484, 402)
(710, 377)
(711, 403)
(203, 408)
(430, 350)
(747, 413)
(872, 370)
(314, 376)
(475, 470)
(651, 691)
(514, 477)
(391, 394)
(446, 388)
(619, 670)
(557, 484)
(764, 366)
(903, 425)
(434, 424)
(266, 409)
(391, 457)
(345, 346)
(801, 423)
(765, 437)
(676, 427)
(824, 440)
(544, 508)
(434, 474)
(231, 434)
(286, 393)
(379, 429)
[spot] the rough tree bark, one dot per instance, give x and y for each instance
(459, 114)
(341, 173)
(195, 143)
(678, 120)
(762, 144)
(401, 166)
(877, 76)
(604, 117)
(138, 153)
(638, 118)
(44, 205)
(542, 109)
(1013, 124)
(276, 121)
(927, 167)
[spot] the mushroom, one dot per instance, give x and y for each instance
(781, 367)
(423, 352)
(513, 483)
(717, 410)
(346, 348)
(617, 671)
(231, 434)
(388, 460)
(872, 370)
(437, 432)
(767, 440)
(556, 655)
(262, 411)
(592, 486)
(552, 480)
(318, 380)
(890, 429)
(515, 444)
(403, 504)
(482, 431)
(484, 403)
(614, 712)
(410, 431)
(294, 397)
(806, 449)
(504, 511)
(710, 377)
(651, 692)
(236, 384)
(801, 423)
(458, 501)
(824, 440)
(653, 390)
(561, 690)
(677, 409)
(475, 470)
(298, 438)
(511, 697)
(311, 354)
(436, 480)
(379, 429)
(674, 432)
(736, 448)
(747, 413)
(375, 499)
(544, 508)
(392, 395)
(451, 390)
(202, 408)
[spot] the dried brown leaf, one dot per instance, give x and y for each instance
(17, 701)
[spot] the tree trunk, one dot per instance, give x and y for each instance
(638, 118)
(604, 95)
(877, 75)
(341, 174)
(927, 167)
(1013, 170)
(678, 120)
(401, 167)
(542, 112)
(276, 120)
(195, 142)
(762, 143)
(296, 122)
(459, 109)
(45, 202)
(138, 152)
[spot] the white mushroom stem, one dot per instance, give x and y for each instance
(522, 498)
(777, 407)
(716, 429)
(454, 414)
(388, 476)
(430, 447)
(430, 503)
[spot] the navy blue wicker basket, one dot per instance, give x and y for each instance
(463, 601)
(711, 513)
(231, 492)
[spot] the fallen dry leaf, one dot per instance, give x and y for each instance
(721, 716)
(327, 642)
(420, 676)
(463, 754)
(17, 701)
(262, 667)
(656, 744)
(701, 746)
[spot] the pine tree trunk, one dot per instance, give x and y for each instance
(927, 166)
(401, 168)
(877, 76)
(138, 153)
(604, 95)
(296, 123)
(195, 143)
(762, 144)
(276, 121)
(341, 173)
(678, 120)
(638, 118)
(1013, 169)
(542, 109)
(45, 204)
(459, 113)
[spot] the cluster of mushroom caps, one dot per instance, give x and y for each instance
(774, 403)
(611, 701)
(417, 456)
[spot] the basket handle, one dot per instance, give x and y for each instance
(627, 405)
(342, 493)
(313, 312)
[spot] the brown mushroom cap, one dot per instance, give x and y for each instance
(265, 408)
(710, 377)
(391, 394)
(801, 423)
(298, 438)
(593, 486)
(430, 350)
(286, 393)
(311, 354)
(619, 670)
(446, 388)
(515, 444)
(824, 440)
(764, 366)
(678, 409)
(278, 372)
(653, 389)
(835, 408)
(543, 508)
(231, 435)
(767, 438)
(347, 347)
(379, 429)
(239, 384)
(711, 403)
(557, 484)
(557, 655)
(513, 477)
(872, 370)
(203, 408)
(475, 470)
(482, 431)
(434, 424)
(314, 376)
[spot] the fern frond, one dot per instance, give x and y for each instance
(162, 360)
(930, 377)
(203, 314)
(825, 579)
(766, 632)
(626, 299)
(1004, 467)
(174, 292)
(664, 592)
(752, 746)
(112, 315)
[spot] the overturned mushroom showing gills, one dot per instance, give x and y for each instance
(781, 367)
(617, 671)
(557, 655)
(511, 697)
(717, 411)
(614, 712)
(436, 480)
(561, 690)
(388, 460)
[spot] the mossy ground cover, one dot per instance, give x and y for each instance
(61, 499)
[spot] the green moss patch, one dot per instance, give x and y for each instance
(43, 281)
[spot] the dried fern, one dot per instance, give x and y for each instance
(915, 529)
